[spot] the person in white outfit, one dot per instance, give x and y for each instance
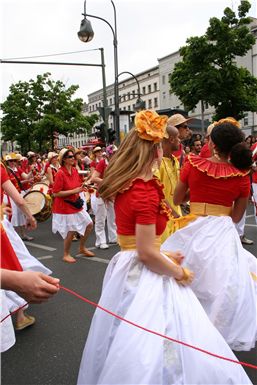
(103, 211)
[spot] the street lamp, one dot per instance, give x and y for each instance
(86, 34)
(140, 104)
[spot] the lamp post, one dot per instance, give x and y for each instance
(86, 34)
(140, 104)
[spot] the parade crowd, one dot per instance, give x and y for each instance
(175, 202)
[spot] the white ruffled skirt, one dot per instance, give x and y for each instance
(119, 353)
(63, 223)
(225, 276)
(18, 218)
(27, 261)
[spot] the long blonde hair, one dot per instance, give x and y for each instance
(133, 158)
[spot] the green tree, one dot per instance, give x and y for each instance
(34, 110)
(208, 71)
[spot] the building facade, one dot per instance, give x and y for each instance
(155, 90)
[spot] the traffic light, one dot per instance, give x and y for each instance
(100, 132)
(111, 135)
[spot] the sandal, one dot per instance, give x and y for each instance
(86, 253)
(69, 259)
(28, 321)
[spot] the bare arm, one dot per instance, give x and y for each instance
(95, 178)
(152, 258)
(238, 209)
(33, 286)
(49, 175)
(181, 193)
(11, 190)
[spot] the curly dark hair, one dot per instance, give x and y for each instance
(229, 140)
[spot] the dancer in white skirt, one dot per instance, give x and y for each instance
(225, 273)
(147, 287)
(68, 213)
(11, 244)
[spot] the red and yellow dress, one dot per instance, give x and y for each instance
(119, 353)
(225, 273)
(254, 180)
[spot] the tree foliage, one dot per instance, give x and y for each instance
(34, 110)
(208, 72)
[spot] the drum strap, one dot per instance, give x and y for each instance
(15, 176)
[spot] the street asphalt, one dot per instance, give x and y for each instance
(49, 352)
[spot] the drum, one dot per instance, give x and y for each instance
(40, 186)
(39, 204)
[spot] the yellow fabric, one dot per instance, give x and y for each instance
(204, 209)
(168, 175)
(128, 242)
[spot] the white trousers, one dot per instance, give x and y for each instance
(104, 211)
(254, 185)
(240, 226)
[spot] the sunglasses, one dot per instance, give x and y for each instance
(69, 157)
(183, 126)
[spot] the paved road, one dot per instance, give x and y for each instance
(50, 351)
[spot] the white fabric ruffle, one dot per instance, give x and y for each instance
(27, 261)
(223, 281)
(119, 353)
(7, 336)
(63, 223)
(18, 218)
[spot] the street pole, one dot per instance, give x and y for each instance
(105, 103)
(86, 34)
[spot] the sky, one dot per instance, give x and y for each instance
(146, 30)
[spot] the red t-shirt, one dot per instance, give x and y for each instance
(205, 151)
(140, 204)
(100, 167)
(8, 258)
(4, 178)
(180, 154)
(63, 182)
(208, 189)
(254, 175)
(93, 164)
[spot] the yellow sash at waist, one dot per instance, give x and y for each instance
(204, 209)
(128, 242)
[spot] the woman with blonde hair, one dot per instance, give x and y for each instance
(146, 286)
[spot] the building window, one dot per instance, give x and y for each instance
(110, 101)
(150, 103)
(149, 89)
(206, 105)
(129, 108)
(155, 102)
(164, 95)
(246, 120)
(143, 90)
(163, 79)
(155, 86)
(133, 106)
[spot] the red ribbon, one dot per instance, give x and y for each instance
(84, 299)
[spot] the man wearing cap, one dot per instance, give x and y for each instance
(168, 173)
(180, 122)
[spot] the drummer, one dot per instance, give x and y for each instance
(68, 213)
(51, 168)
(16, 176)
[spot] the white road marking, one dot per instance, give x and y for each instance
(36, 245)
(95, 259)
(45, 257)
(250, 216)
(250, 225)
